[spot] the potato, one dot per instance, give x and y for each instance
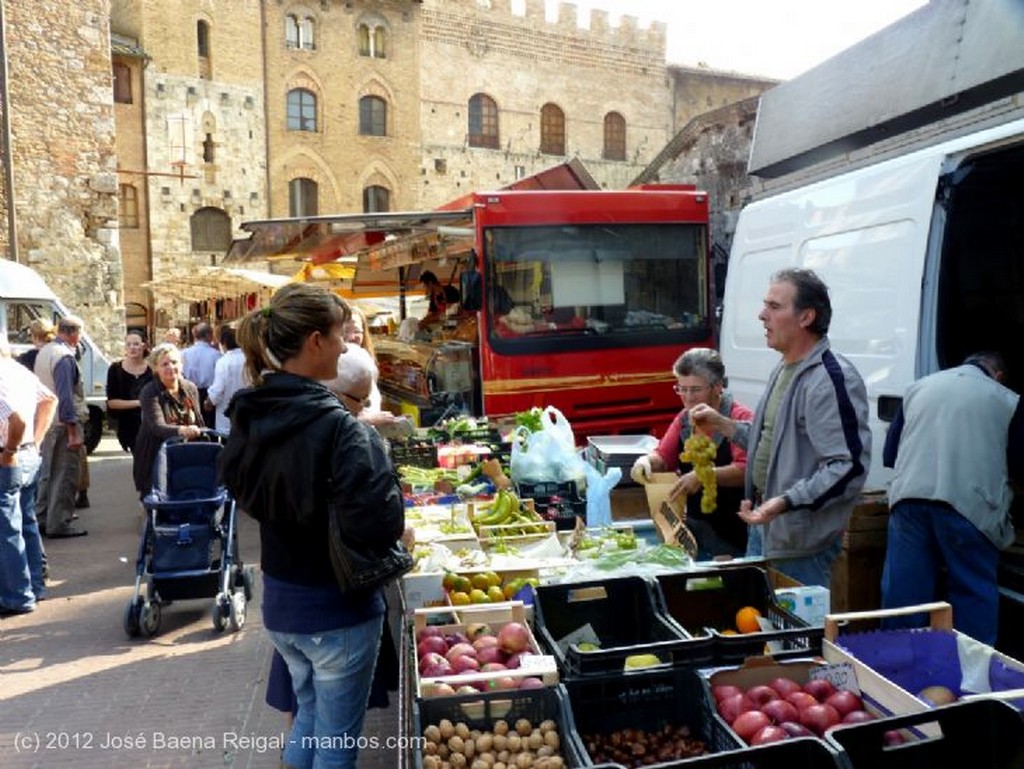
(552, 740)
(478, 764)
(523, 727)
(485, 742)
(535, 740)
(515, 743)
(524, 761)
(547, 725)
(500, 743)
(501, 726)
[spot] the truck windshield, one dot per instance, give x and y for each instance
(556, 288)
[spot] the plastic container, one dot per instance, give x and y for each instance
(706, 602)
(560, 502)
(482, 712)
(801, 753)
(414, 454)
(980, 734)
(645, 700)
(619, 616)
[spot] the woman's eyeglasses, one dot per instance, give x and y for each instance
(695, 390)
(361, 402)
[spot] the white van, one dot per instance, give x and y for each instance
(924, 258)
(24, 296)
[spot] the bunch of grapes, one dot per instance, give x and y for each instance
(699, 450)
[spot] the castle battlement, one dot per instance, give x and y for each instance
(532, 14)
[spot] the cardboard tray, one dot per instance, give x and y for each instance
(497, 616)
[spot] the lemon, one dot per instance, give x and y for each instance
(480, 581)
(635, 661)
(476, 595)
(460, 598)
(495, 594)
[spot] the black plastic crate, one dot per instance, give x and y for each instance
(623, 616)
(414, 454)
(980, 734)
(801, 753)
(481, 712)
(644, 700)
(558, 502)
(707, 601)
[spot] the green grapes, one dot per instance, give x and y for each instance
(700, 451)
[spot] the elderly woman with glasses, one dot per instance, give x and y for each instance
(700, 378)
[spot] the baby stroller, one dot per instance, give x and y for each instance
(189, 546)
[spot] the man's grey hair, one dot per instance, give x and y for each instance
(69, 324)
(356, 368)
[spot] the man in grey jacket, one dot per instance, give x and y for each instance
(956, 444)
(808, 445)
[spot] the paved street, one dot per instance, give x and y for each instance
(75, 692)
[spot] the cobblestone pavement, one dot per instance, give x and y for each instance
(76, 692)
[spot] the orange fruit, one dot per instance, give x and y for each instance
(493, 578)
(449, 580)
(476, 595)
(495, 593)
(459, 598)
(746, 620)
(729, 631)
(461, 584)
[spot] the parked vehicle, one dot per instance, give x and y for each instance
(24, 296)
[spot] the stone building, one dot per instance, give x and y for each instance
(179, 121)
(63, 157)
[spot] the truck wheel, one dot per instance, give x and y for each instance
(93, 429)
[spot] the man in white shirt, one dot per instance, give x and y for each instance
(228, 378)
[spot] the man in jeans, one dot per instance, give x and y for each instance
(808, 446)
(57, 368)
(26, 411)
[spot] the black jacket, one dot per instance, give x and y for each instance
(293, 448)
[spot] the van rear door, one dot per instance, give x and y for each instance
(866, 234)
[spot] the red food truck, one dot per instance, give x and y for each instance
(579, 299)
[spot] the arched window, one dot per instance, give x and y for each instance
(552, 130)
(483, 122)
(373, 116)
(303, 197)
(298, 32)
(211, 230)
(614, 136)
(301, 110)
(371, 40)
(128, 206)
(376, 199)
(203, 48)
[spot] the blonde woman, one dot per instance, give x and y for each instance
(170, 407)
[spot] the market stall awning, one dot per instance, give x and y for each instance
(197, 284)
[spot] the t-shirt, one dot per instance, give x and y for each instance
(764, 443)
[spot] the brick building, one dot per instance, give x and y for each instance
(191, 117)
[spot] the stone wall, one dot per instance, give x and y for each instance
(698, 90)
(65, 184)
(523, 62)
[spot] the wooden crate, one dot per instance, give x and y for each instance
(857, 571)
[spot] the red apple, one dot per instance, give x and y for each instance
(431, 643)
(893, 737)
(722, 691)
(514, 661)
(857, 717)
(428, 632)
(465, 664)
(731, 707)
(784, 686)
(531, 682)
(768, 734)
(440, 690)
(761, 695)
(747, 724)
(844, 701)
(491, 654)
(492, 667)
(467, 689)
(780, 710)
(442, 668)
(484, 641)
(460, 650)
(819, 718)
(456, 638)
(502, 684)
(793, 729)
(431, 659)
(819, 688)
(801, 699)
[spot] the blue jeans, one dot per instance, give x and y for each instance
(924, 536)
(331, 674)
(808, 570)
(21, 547)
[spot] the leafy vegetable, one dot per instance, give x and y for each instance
(532, 420)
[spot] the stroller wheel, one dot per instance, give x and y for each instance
(149, 619)
(237, 612)
(131, 617)
(221, 610)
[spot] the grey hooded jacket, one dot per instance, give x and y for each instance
(819, 456)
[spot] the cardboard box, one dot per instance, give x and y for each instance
(809, 602)
(657, 490)
(422, 590)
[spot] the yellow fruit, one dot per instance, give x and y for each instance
(495, 594)
(641, 661)
(459, 598)
(476, 595)
(512, 588)
(729, 631)
(746, 620)
(461, 584)
(493, 579)
(480, 581)
(449, 580)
